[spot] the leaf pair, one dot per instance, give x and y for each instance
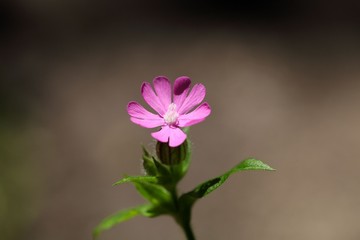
(159, 188)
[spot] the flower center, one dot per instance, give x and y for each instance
(171, 115)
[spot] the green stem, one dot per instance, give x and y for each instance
(182, 216)
(188, 231)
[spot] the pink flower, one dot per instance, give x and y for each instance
(174, 111)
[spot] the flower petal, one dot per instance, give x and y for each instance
(196, 116)
(162, 135)
(134, 109)
(143, 117)
(177, 137)
(163, 90)
(152, 99)
(146, 123)
(194, 98)
(181, 88)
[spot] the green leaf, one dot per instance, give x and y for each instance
(151, 179)
(122, 216)
(163, 170)
(148, 163)
(252, 164)
(212, 184)
(156, 194)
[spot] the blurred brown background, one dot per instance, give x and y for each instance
(282, 79)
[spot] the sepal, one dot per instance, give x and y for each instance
(170, 164)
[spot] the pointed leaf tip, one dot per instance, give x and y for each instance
(122, 216)
(252, 164)
(148, 163)
(138, 179)
(212, 184)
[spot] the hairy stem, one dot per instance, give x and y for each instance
(183, 217)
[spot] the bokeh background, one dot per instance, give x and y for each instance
(283, 80)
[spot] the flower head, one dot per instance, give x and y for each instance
(174, 109)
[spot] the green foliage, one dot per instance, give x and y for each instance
(158, 186)
(139, 179)
(212, 184)
(121, 216)
(171, 155)
(155, 193)
(251, 164)
(179, 170)
(172, 166)
(148, 163)
(163, 171)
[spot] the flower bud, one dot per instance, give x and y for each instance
(171, 155)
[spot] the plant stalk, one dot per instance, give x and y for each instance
(182, 216)
(188, 231)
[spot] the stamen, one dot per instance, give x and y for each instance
(171, 115)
